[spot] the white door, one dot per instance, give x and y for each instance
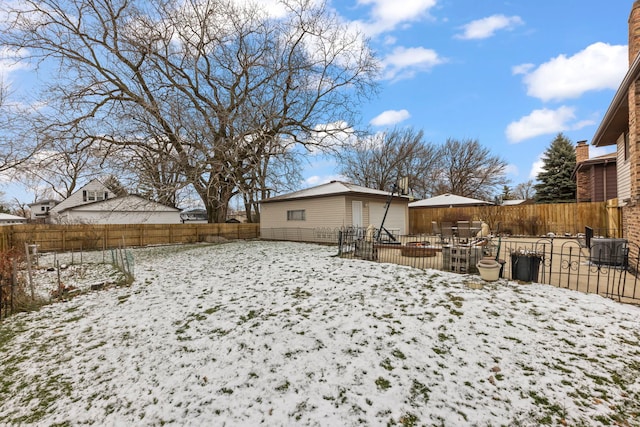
(356, 213)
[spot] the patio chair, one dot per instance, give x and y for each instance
(476, 226)
(435, 230)
(464, 232)
(446, 232)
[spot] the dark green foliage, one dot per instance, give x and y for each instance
(555, 181)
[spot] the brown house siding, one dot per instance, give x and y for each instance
(583, 186)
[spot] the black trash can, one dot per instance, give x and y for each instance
(525, 267)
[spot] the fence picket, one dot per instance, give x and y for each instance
(64, 238)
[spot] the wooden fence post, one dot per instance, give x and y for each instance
(28, 257)
(14, 281)
(613, 217)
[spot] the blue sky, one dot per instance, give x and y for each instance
(511, 74)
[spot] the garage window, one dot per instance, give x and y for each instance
(297, 215)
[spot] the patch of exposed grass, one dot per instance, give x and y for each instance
(419, 392)
(283, 387)
(386, 364)
(408, 420)
(399, 354)
(382, 383)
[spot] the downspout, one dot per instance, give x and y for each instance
(604, 181)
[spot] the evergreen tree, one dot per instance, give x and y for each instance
(555, 182)
(506, 193)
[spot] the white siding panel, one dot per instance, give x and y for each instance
(119, 210)
(122, 217)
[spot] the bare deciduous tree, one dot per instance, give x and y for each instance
(524, 190)
(470, 170)
(378, 161)
(17, 140)
(207, 79)
(275, 171)
(61, 165)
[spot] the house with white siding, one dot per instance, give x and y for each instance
(40, 209)
(8, 219)
(94, 203)
(316, 214)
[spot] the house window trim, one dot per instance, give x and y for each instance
(296, 215)
(94, 196)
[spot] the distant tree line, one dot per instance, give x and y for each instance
(462, 167)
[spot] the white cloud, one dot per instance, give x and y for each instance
(329, 135)
(536, 168)
(522, 69)
(512, 169)
(406, 62)
(487, 27)
(322, 179)
(386, 15)
(390, 117)
(599, 66)
(12, 60)
(543, 122)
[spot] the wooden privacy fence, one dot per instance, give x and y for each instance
(528, 219)
(50, 237)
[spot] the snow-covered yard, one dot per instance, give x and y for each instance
(278, 333)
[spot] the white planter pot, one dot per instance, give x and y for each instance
(489, 270)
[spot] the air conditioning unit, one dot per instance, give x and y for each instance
(609, 252)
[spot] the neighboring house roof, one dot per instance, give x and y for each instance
(605, 158)
(5, 217)
(513, 202)
(44, 202)
(72, 201)
(332, 188)
(196, 214)
(598, 160)
(447, 200)
(128, 203)
(616, 119)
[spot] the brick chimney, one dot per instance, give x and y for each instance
(582, 149)
(634, 31)
(583, 180)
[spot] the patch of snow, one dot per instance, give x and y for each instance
(283, 333)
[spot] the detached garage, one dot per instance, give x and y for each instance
(317, 214)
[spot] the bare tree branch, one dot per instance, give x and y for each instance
(201, 84)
